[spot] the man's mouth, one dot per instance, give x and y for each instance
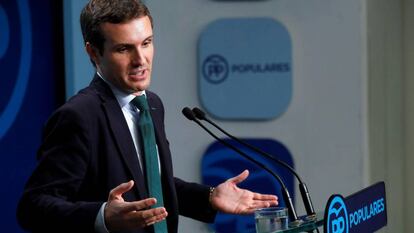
(138, 74)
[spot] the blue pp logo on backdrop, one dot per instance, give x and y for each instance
(215, 69)
(219, 163)
(336, 216)
(245, 69)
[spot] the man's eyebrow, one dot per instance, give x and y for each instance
(149, 37)
(122, 45)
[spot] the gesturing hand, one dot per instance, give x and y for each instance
(122, 215)
(229, 198)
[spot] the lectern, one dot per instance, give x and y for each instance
(362, 212)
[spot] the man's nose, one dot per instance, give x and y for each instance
(138, 57)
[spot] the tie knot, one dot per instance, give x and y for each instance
(141, 103)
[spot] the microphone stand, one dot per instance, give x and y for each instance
(302, 186)
(285, 193)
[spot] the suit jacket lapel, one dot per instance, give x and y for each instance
(157, 123)
(163, 149)
(122, 135)
(170, 200)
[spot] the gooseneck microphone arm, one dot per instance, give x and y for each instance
(285, 193)
(302, 186)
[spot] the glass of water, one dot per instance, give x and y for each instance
(271, 219)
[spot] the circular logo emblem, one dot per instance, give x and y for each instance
(336, 216)
(20, 66)
(4, 25)
(215, 69)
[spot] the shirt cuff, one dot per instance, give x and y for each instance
(100, 220)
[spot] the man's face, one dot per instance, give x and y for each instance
(127, 55)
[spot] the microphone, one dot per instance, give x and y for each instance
(285, 193)
(302, 186)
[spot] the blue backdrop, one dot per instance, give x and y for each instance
(220, 163)
(30, 89)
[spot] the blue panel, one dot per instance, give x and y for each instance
(28, 68)
(245, 68)
(220, 163)
(363, 211)
(78, 68)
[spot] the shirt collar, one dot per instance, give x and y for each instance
(122, 97)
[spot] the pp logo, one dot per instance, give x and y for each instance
(220, 163)
(16, 49)
(336, 216)
(215, 69)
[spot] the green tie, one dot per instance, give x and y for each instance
(146, 129)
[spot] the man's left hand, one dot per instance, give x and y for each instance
(229, 198)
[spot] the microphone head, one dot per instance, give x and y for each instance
(199, 113)
(188, 113)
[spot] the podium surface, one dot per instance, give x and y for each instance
(305, 224)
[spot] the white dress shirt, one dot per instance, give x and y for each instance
(131, 114)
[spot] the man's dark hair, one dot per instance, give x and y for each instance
(97, 12)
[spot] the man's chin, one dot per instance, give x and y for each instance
(137, 90)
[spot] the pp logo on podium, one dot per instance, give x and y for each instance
(336, 216)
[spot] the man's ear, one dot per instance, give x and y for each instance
(92, 52)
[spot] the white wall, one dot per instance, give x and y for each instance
(387, 123)
(408, 53)
(325, 127)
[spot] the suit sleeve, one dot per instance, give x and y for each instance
(49, 201)
(193, 201)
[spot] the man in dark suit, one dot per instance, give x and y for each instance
(93, 169)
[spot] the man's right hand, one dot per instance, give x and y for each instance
(122, 215)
